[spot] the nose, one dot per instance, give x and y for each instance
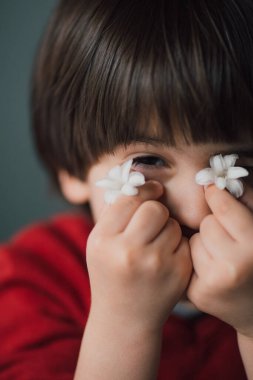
(186, 200)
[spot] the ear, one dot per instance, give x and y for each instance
(74, 189)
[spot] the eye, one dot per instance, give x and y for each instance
(149, 162)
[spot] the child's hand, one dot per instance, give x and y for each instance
(222, 255)
(138, 261)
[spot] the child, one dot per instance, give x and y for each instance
(166, 84)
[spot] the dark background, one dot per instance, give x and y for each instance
(25, 194)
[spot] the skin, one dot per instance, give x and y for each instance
(138, 250)
(222, 257)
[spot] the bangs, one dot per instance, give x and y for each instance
(140, 69)
(167, 72)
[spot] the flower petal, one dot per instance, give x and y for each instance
(136, 179)
(110, 196)
(237, 172)
(108, 183)
(125, 170)
(205, 177)
(235, 187)
(230, 159)
(128, 189)
(115, 173)
(217, 163)
(220, 182)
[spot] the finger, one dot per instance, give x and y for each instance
(182, 255)
(201, 258)
(171, 235)
(147, 222)
(116, 216)
(247, 198)
(214, 237)
(194, 290)
(183, 246)
(236, 219)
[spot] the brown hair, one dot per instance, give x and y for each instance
(109, 72)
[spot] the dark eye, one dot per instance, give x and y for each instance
(148, 161)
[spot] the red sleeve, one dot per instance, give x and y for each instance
(200, 348)
(45, 300)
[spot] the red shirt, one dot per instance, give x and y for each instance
(44, 306)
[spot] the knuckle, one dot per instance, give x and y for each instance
(207, 223)
(175, 227)
(222, 205)
(186, 261)
(229, 276)
(156, 208)
(235, 276)
(95, 241)
(131, 264)
(219, 201)
(127, 259)
(132, 202)
(127, 262)
(154, 264)
(194, 241)
(151, 188)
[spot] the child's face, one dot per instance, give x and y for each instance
(174, 167)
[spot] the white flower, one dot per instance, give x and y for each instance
(223, 174)
(119, 181)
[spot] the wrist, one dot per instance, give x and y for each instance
(123, 325)
(245, 338)
(246, 333)
(245, 343)
(111, 349)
